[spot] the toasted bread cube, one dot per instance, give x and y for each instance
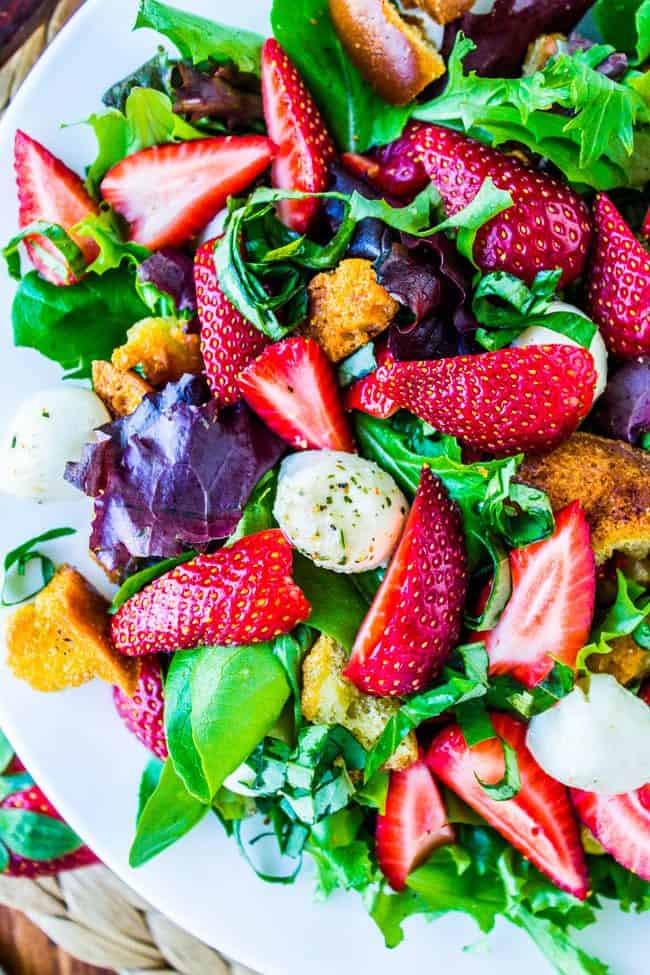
(62, 639)
(120, 392)
(628, 662)
(328, 698)
(445, 11)
(161, 348)
(347, 308)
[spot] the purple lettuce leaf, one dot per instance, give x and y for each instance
(171, 271)
(624, 409)
(173, 475)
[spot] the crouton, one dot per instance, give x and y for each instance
(445, 11)
(328, 698)
(120, 392)
(347, 308)
(62, 639)
(161, 348)
(628, 662)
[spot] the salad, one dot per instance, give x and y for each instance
(355, 328)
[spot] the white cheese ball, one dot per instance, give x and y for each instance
(598, 741)
(48, 430)
(341, 511)
(538, 335)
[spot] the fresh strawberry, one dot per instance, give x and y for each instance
(49, 191)
(618, 291)
(621, 824)
(169, 193)
(414, 824)
(242, 594)
(367, 394)
(305, 148)
(517, 399)
(539, 821)
(548, 225)
(33, 803)
(396, 168)
(293, 387)
(143, 714)
(228, 341)
(414, 622)
(645, 230)
(551, 610)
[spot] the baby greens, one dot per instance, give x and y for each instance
(16, 562)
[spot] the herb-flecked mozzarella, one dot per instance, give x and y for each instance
(341, 511)
(48, 430)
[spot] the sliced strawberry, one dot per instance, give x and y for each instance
(399, 169)
(414, 824)
(293, 387)
(621, 824)
(228, 341)
(169, 193)
(305, 148)
(551, 610)
(49, 191)
(618, 292)
(517, 399)
(240, 595)
(143, 714)
(414, 622)
(367, 394)
(539, 821)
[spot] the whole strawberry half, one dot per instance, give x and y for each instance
(367, 394)
(169, 193)
(547, 227)
(228, 341)
(305, 148)
(415, 620)
(539, 821)
(517, 399)
(413, 825)
(240, 595)
(618, 290)
(143, 714)
(49, 191)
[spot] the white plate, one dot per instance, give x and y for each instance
(73, 742)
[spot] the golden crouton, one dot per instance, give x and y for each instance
(328, 698)
(627, 662)
(161, 348)
(446, 10)
(62, 639)
(347, 308)
(120, 392)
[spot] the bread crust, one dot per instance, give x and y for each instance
(120, 392)
(445, 11)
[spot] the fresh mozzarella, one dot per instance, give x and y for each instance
(598, 740)
(341, 511)
(539, 335)
(48, 430)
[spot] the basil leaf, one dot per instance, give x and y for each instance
(16, 562)
(258, 513)
(5, 858)
(510, 785)
(290, 653)
(337, 608)
(475, 722)
(178, 724)
(628, 613)
(168, 814)
(488, 203)
(148, 783)
(71, 253)
(155, 73)
(507, 694)
(375, 792)
(517, 513)
(35, 836)
(139, 580)
(249, 845)
(6, 750)
(14, 783)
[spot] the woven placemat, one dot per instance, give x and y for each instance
(90, 913)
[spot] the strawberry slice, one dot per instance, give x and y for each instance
(550, 612)
(414, 622)
(292, 385)
(143, 714)
(169, 193)
(396, 168)
(228, 340)
(367, 394)
(517, 399)
(305, 148)
(414, 824)
(49, 191)
(539, 821)
(618, 292)
(240, 595)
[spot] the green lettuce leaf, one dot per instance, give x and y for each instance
(626, 617)
(625, 24)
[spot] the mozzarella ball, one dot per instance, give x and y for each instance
(341, 511)
(538, 335)
(48, 430)
(598, 740)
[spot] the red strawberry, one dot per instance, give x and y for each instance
(32, 800)
(414, 824)
(618, 292)
(548, 225)
(48, 190)
(414, 622)
(240, 595)
(396, 168)
(367, 394)
(143, 714)
(551, 610)
(293, 387)
(169, 193)
(517, 399)
(621, 824)
(645, 230)
(305, 148)
(539, 821)
(228, 341)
